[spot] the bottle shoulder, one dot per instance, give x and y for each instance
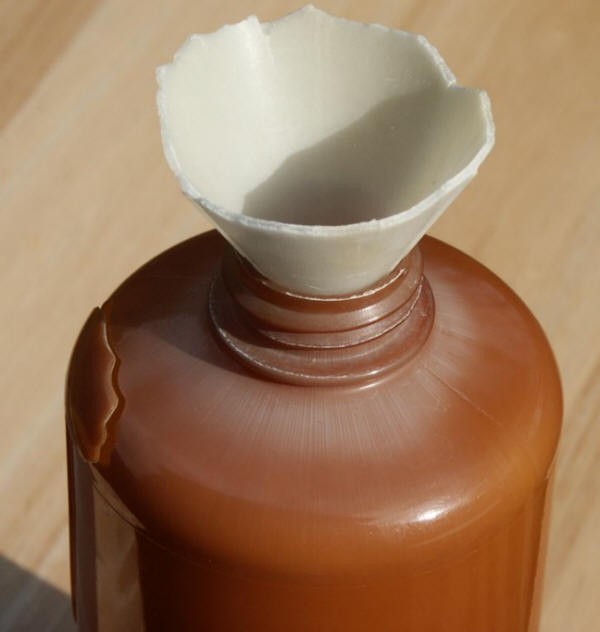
(216, 458)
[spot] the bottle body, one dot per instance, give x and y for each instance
(217, 498)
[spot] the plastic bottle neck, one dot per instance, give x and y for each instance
(302, 339)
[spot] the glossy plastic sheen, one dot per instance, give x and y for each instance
(314, 340)
(207, 496)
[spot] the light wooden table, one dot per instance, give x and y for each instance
(86, 197)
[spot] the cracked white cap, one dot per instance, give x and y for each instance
(322, 149)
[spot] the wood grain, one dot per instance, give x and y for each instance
(87, 197)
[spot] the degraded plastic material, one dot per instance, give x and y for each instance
(322, 149)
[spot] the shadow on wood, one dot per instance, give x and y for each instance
(29, 604)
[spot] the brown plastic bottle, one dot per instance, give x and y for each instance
(245, 459)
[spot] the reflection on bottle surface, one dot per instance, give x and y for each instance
(246, 459)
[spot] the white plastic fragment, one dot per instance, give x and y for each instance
(321, 148)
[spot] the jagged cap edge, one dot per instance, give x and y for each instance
(399, 217)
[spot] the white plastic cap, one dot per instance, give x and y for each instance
(322, 149)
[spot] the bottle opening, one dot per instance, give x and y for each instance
(312, 340)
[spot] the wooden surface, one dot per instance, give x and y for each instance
(86, 197)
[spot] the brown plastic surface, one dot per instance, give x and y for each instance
(213, 497)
